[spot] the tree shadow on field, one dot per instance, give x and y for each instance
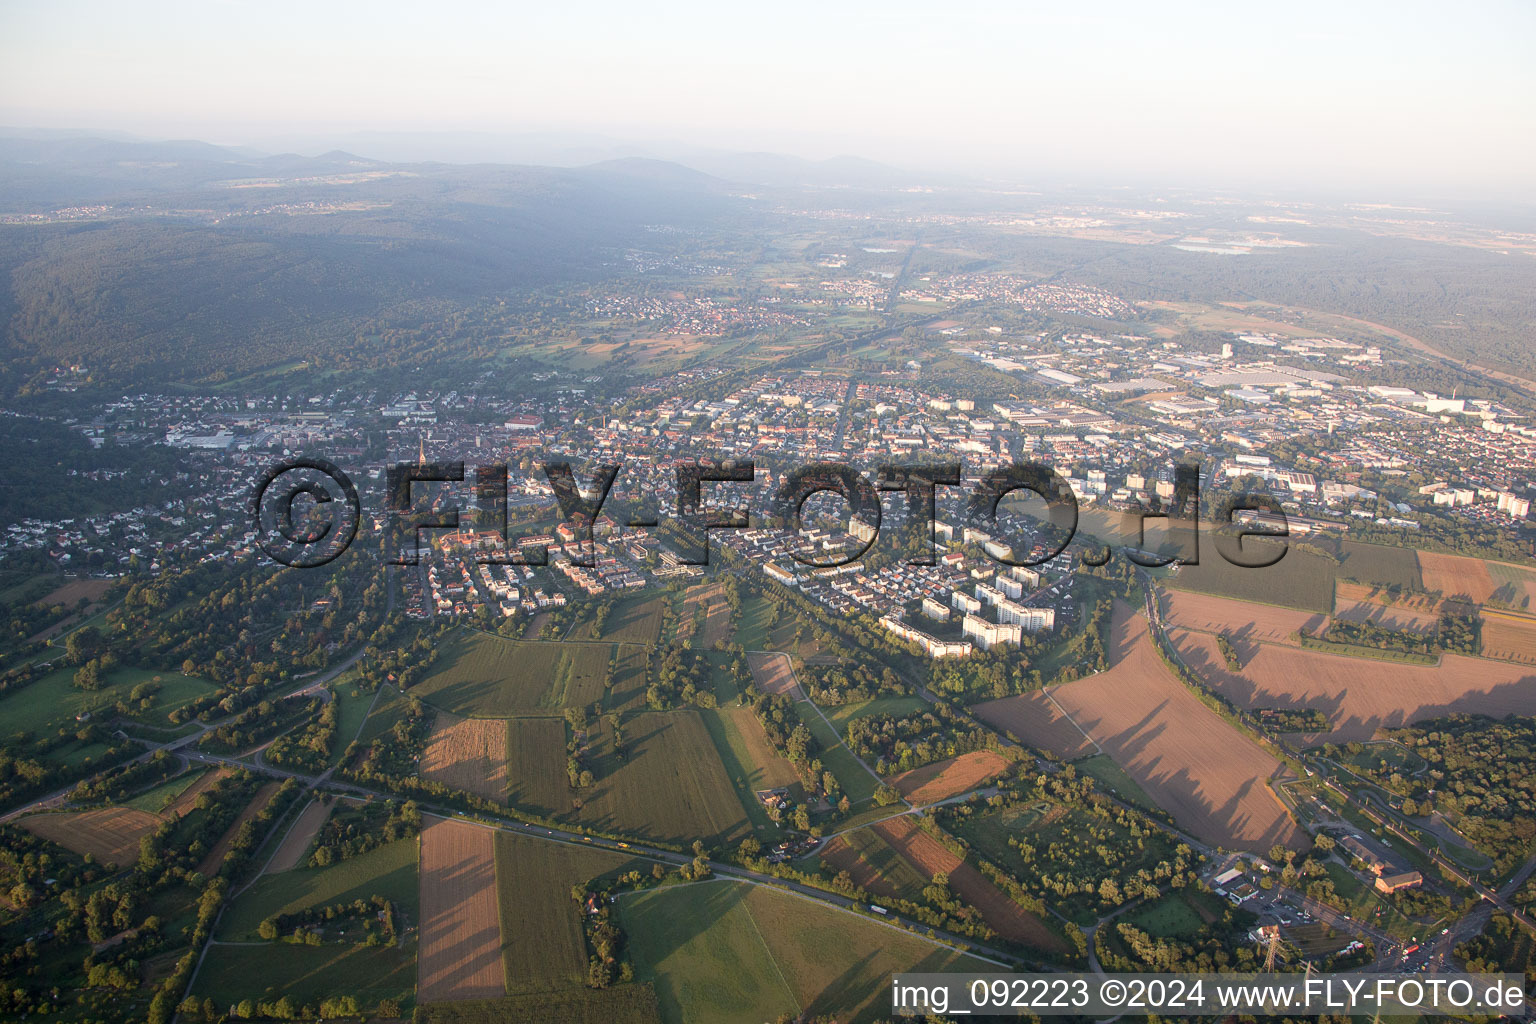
(661, 922)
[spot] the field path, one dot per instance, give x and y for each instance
(775, 674)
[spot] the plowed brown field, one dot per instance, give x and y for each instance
(1239, 620)
(468, 754)
(944, 779)
(774, 674)
(1361, 695)
(1456, 576)
(1507, 636)
(110, 834)
(460, 953)
(187, 798)
(1037, 722)
(1190, 761)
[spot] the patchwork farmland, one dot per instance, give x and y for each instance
(734, 953)
(1211, 777)
(874, 865)
(930, 857)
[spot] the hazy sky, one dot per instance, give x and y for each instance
(1425, 94)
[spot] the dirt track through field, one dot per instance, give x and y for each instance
(460, 954)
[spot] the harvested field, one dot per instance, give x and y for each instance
(1456, 576)
(486, 676)
(627, 680)
(671, 786)
(535, 761)
(1239, 620)
(1514, 586)
(542, 945)
(944, 779)
(70, 593)
(1419, 613)
(1210, 776)
(1381, 566)
(873, 865)
(717, 615)
(1001, 914)
(468, 754)
(634, 620)
(1361, 695)
(460, 954)
(1509, 636)
(110, 834)
(1037, 721)
(582, 675)
(773, 674)
(290, 853)
(725, 952)
(763, 767)
(258, 803)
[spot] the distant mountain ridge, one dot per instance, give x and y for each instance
(101, 154)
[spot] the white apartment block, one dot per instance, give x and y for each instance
(989, 634)
(1032, 619)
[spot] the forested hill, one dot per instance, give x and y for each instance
(206, 269)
